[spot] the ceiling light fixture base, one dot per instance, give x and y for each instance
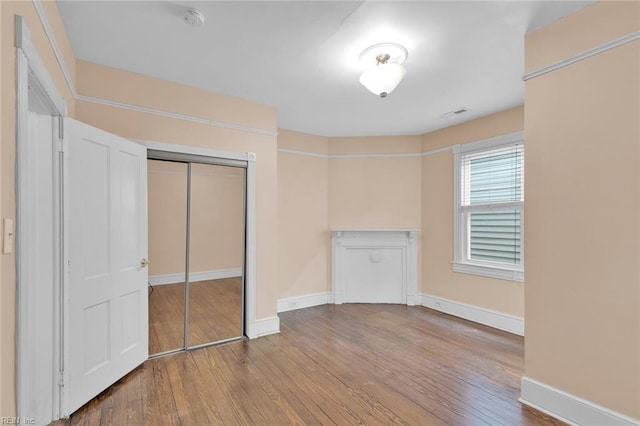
(396, 53)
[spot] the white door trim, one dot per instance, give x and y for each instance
(32, 74)
(193, 150)
(252, 329)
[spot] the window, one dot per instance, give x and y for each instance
(489, 207)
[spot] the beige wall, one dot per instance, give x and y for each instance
(438, 278)
(583, 210)
(303, 198)
(217, 217)
(167, 216)
(602, 22)
(121, 86)
(374, 192)
(7, 161)
(317, 194)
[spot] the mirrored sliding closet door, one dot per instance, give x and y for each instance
(216, 254)
(167, 213)
(196, 249)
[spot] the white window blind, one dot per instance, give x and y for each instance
(492, 194)
(489, 207)
(493, 176)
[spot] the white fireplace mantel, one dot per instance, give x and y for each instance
(375, 266)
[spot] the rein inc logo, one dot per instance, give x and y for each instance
(17, 421)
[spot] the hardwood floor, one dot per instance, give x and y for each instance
(333, 364)
(166, 318)
(215, 310)
(215, 313)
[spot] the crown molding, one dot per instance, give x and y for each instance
(583, 55)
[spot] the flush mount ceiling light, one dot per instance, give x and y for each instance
(386, 70)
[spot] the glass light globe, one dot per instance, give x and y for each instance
(383, 78)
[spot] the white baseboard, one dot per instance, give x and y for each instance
(263, 327)
(484, 316)
(569, 408)
(195, 276)
(305, 301)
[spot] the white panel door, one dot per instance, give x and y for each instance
(107, 333)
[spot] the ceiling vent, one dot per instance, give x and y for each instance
(193, 17)
(455, 113)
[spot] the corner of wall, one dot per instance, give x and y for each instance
(303, 230)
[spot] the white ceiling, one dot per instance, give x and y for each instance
(302, 56)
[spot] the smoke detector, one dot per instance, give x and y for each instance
(193, 17)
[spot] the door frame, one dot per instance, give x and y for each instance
(251, 328)
(32, 74)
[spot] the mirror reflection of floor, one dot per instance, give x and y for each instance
(215, 313)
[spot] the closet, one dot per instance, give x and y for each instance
(196, 211)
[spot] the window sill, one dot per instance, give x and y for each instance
(488, 271)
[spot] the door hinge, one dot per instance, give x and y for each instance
(61, 378)
(60, 146)
(61, 128)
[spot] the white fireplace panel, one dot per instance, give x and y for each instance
(375, 266)
(374, 275)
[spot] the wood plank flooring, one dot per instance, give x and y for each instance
(333, 364)
(166, 317)
(215, 313)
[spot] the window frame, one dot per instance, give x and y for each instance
(461, 261)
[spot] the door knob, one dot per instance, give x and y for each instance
(143, 263)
